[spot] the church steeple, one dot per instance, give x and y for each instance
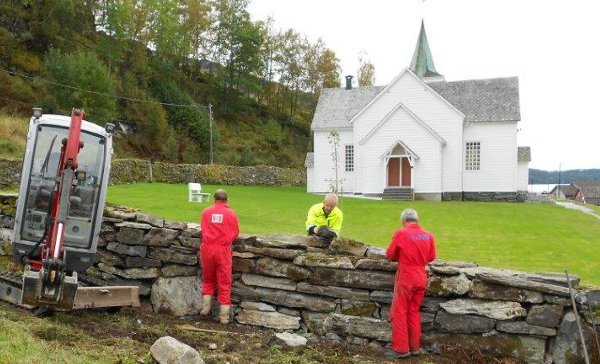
(422, 61)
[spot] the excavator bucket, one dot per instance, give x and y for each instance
(60, 295)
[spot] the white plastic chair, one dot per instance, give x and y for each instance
(195, 193)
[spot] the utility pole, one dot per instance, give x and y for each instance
(559, 188)
(210, 122)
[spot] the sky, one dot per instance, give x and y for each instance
(552, 46)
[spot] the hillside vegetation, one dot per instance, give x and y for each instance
(524, 236)
(537, 176)
(160, 64)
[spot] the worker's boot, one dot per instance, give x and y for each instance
(224, 314)
(206, 305)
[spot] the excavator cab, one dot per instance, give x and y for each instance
(60, 205)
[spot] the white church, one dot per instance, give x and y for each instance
(421, 137)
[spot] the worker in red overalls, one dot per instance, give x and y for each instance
(413, 248)
(220, 227)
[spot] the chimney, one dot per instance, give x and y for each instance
(349, 82)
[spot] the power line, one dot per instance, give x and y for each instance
(102, 93)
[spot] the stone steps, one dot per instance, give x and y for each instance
(398, 194)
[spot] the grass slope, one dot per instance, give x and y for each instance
(530, 237)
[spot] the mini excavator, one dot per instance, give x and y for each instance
(59, 214)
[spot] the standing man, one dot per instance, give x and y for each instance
(413, 248)
(325, 219)
(220, 227)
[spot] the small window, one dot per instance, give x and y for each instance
(473, 156)
(350, 158)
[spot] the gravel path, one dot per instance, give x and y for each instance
(584, 209)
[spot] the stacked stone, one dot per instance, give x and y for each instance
(297, 283)
(137, 171)
(8, 203)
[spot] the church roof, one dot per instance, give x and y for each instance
(337, 105)
(490, 100)
(495, 99)
(422, 61)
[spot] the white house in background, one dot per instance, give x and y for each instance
(421, 137)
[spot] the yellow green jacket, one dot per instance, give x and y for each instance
(316, 217)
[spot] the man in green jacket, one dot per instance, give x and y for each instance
(325, 219)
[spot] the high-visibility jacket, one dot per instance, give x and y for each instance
(317, 217)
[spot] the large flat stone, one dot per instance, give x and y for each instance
(280, 241)
(150, 219)
(178, 270)
(467, 324)
(490, 291)
(133, 225)
(278, 268)
(131, 236)
(376, 264)
(382, 296)
(357, 308)
(375, 252)
(268, 282)
(567, 346)
(173, 256)
(521, 327)
(345, 325)
(109, 258)
(160, 237)
(139, 262)
(324, 260)
(273, 320)
(242, 265)
(257, 306)
(497, 310)
(331, 291)
(131, 250)
(348, 247)
(353, 278)
(283, 298)
(285, 254)
(141, 273)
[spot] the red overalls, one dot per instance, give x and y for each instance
(219, 226)
(413, 248)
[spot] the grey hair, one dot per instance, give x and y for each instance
(409, 215)
(331, 197)
(220, 195)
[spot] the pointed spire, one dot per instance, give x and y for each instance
(422, 61)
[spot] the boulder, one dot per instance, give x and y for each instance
(168, 350)
(497, 310)
(180, 296)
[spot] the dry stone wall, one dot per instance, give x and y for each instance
(344, 291)
(135, 171)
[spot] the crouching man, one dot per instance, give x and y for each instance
(325, 219)
(413, 248)
(220, 227)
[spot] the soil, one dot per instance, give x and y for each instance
(243, 344)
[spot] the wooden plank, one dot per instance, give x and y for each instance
(107, 296)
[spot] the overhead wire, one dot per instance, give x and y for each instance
(101, 93)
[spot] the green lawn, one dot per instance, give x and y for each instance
(531, 237)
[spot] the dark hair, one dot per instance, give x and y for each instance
(220, 195)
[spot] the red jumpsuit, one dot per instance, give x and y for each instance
(219, 226)
(413, 248)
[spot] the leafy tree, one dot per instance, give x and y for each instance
(366, 71)
(74, 75)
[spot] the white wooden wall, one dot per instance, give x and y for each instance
(498, 157)
(323, 162)
(522, 176)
